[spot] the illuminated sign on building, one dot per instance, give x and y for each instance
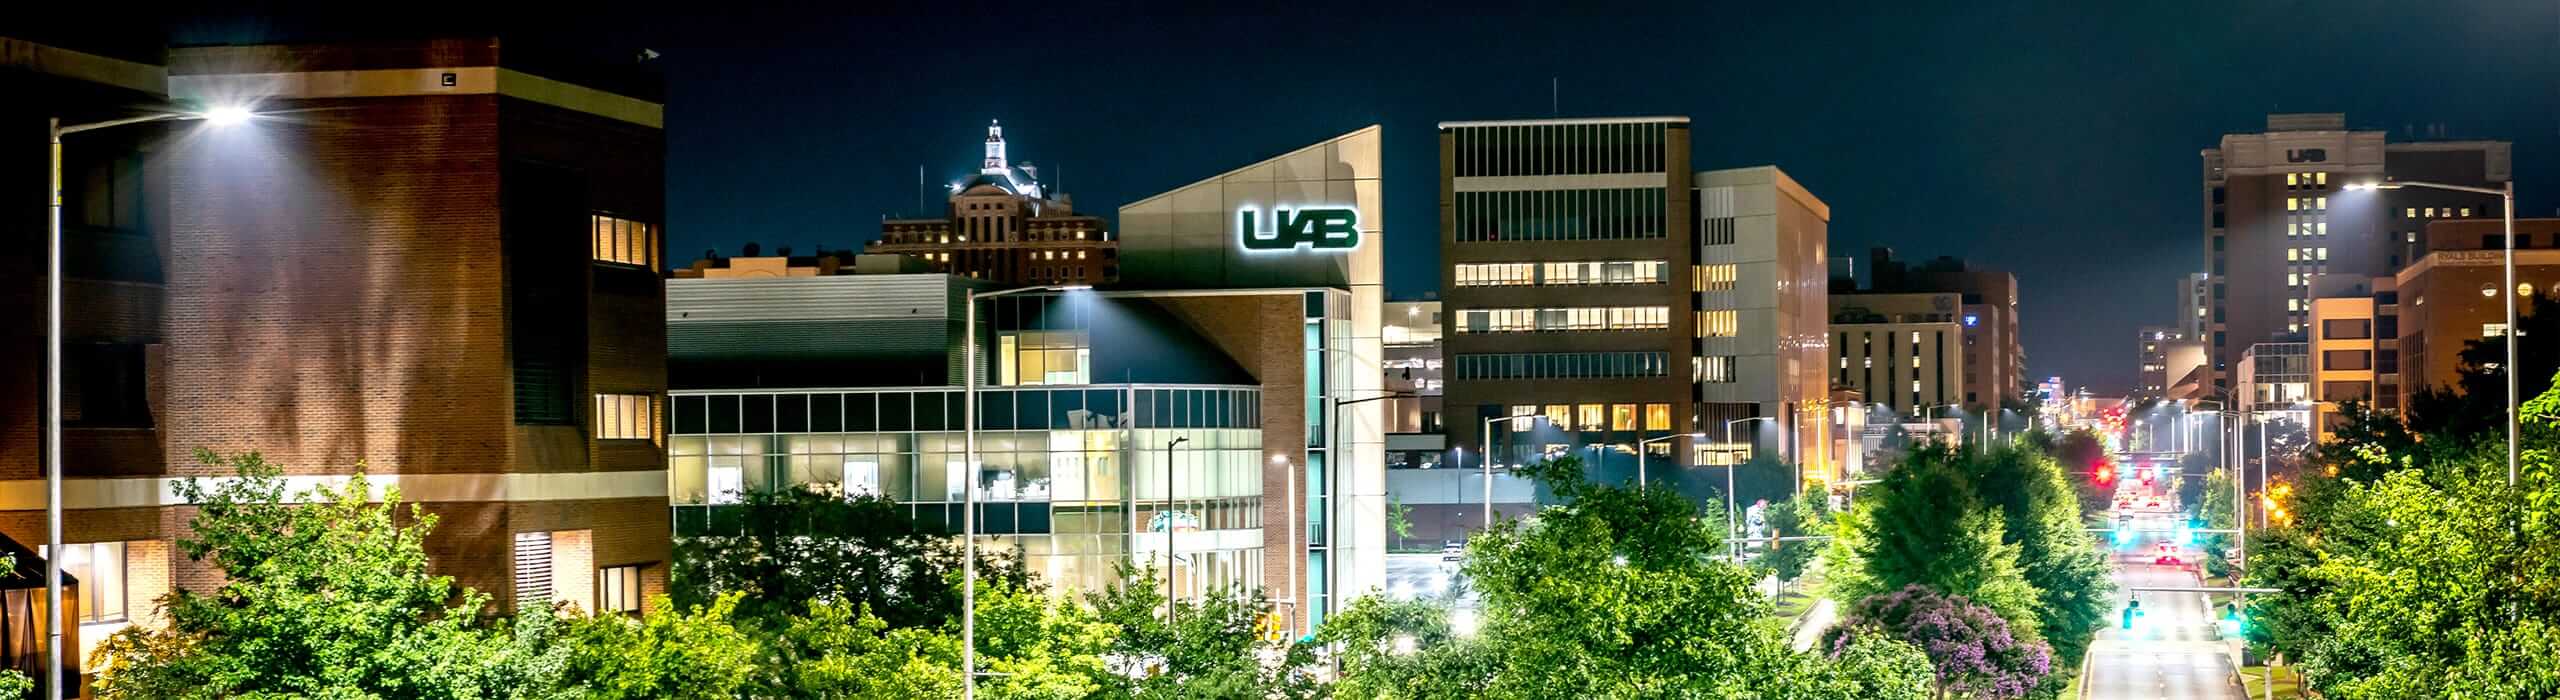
(1317, 228)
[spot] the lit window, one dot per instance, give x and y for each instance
(2292, 254)
(2431, 212)
(624, 417)
(1591, 416)
(1718, 323)
(1657, 416)
(1622, 416)
(2493, 330)
(100, 567)
(2321, 202)
(618, 590)
(1715, 278)
(2413, 236)
(2320, 228)
(2292, 328)
(2324, 252)
(2323, 177)
(2411, 214)
(2466, 211)
(2290, 179)
(1079, 254)
(1715, 370)
(623, 241)
(2292, 204)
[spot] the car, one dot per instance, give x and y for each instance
(2167, 554)
(1453, 551)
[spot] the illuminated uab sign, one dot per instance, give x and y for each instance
(1317, 228)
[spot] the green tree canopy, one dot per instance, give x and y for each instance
(1923, 523)
(788, 547)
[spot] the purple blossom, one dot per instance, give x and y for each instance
(1969, 645)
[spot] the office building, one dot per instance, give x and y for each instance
(2195, 306)
(2166, 356)
(2342, 353)
(471, 317)
(2449, 298)
(1413, 377)
(1901, 352)
(1216, 404)
(1995, 362)
(2278, 218)
(1598, 288)
(1002, 225)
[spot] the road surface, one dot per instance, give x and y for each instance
(2172, 650)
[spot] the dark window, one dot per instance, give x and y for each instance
(2346, 391)
(2217, 220)
(2346, 329)
(105, 385)
(2387, 326)
(2219, 195)
(546, 247)
(2386, 361)
(2491, 242)
(2217, 244)
(2346, 359)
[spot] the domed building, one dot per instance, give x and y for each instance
(1002, 226)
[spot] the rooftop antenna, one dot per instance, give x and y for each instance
(1554, 90)
(920, 211)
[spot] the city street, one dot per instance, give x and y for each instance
(2171, 649)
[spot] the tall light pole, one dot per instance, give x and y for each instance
(1289, 476)
(2507, 195)
(1168, 531)
(1487, 460)
(1733, 507)
(55, 130)
(1640, 452)
(969, 487)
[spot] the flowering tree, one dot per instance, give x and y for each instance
(1969, 645)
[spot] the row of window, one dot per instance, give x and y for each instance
(1591, 318)
(1717, 323)
(1562, 365)
(1559, 273)
(998, 409)
(2435, 212)
(2305, 180)
(2306, 227)
(2302, 254)
(552, 567)
(1713, 278)
(2306, 204)
(1596, 416)
(1560, 215)
(1559, 149)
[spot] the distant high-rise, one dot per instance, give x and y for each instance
(1994, 361)
(2278, 217)
(1002, 225)
(2195, 306)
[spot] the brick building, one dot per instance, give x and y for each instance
(430, 261)
(1002, 226)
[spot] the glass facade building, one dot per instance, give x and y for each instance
(1074, 476)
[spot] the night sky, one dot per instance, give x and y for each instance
(2059, 143)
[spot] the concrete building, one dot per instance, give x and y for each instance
(2342, 354)
(2450, 297)
(2277, 217)
(1215, 404)
(1593, 280)
(1902, 352)
(1004, 226)
(449, 283)
(1995, 361)
(1414, 376)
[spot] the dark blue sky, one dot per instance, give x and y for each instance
(2054, 141)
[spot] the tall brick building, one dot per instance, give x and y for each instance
(430, 261)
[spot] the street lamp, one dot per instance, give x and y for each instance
(1169, 531)
(1640, 452)
(55, 130)
(1732, 507)
(969, 489)
(2507, 194)
(1487, 460)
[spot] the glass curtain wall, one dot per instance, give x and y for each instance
(1074, 476)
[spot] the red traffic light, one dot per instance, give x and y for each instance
(2106, 474)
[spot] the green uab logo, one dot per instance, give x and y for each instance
(1318, 228)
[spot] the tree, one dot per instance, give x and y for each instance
(811, 544)
(2055, 554)
(2081, 454)
(1399, 520)
(327, 597)
(1370, 637)
(841, 650)
(1973, 650)
(1803, 515)
(698, 652)
(1214, 648)
(1923, 524)
(2219, 511)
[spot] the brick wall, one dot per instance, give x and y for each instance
(1266, 336)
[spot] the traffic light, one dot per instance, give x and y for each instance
(2132, 609)
(2106, 475)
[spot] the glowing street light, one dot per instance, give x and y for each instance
(218, 116)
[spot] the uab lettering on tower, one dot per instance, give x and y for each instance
(1317, 228)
